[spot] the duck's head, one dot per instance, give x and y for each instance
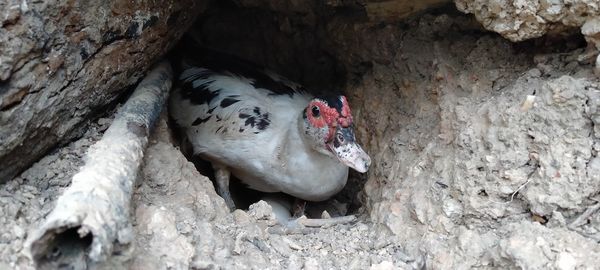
(329, 129)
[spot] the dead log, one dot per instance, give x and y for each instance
(92, 216)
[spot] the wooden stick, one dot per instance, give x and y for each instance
(303, 225)
(326, 222)
(93, 215)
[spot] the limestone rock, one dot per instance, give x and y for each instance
(62, 62)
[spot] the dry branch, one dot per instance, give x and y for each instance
(93, 213)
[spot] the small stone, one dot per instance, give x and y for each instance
(535, 73)
(237, 246)
(18, 231)
(104, 121)
(241, 217)
(325, 214)
(294, 262)
(527, 103)
(565, 261)
(261, 210)
(292, 244)
(311, 264)
(361, 227)
(280, 245)
(385, 265)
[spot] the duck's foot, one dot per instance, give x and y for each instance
(298, 208)
(222, 176)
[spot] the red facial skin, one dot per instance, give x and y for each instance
(330, 116)
(345, 119)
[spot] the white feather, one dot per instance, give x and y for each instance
(275, 159)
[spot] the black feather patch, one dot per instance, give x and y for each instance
(199, 120)
(226, 64)
(256, 119)
(250, 121)
(226, 102)
(263, 123)
(198, 95)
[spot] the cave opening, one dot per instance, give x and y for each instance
(291, 48)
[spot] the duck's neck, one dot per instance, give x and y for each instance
(312, 175)
(296, 143)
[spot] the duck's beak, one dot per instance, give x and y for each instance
(346, 149)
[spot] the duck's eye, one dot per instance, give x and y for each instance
(315, 111)
(340, 138)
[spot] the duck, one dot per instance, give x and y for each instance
(264, 129)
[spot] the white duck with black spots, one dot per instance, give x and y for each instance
(265, 130)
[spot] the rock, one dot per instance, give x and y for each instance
(545, 248)
(520, 20)
(280, 245)
(261, 210)
(241, 217)
(18, 231)
(294, 262)
(565, 261)
(311, 264)
(385, 265)
(62, 63)
(591, 31)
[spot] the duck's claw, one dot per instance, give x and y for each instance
(298, 208)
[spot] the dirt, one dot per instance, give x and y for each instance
(485, 155)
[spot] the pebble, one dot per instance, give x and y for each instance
(292, 244)
(294, 262)
(18, 231)
(261, 210)
(385, 265)
(241, 217)
(311, 264)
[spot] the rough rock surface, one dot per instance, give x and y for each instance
(520, 20)
(61, 62)
(478, 143)
(481, 142)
